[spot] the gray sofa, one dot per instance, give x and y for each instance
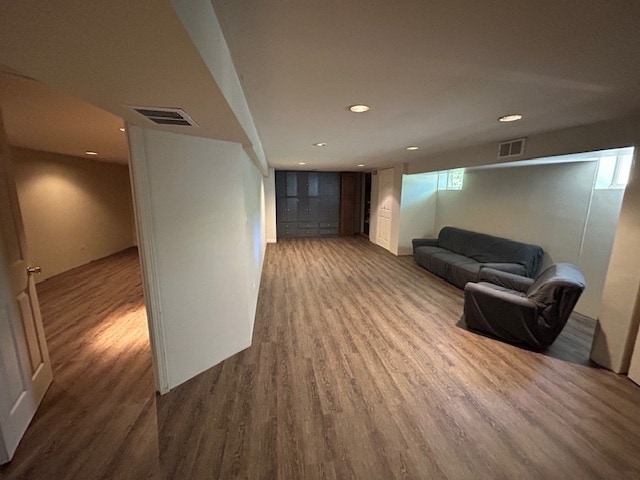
(459, 255)
(523, 310)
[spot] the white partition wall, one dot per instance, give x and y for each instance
(199, 207)
(615, 337)
(270, 206)
(417, 209)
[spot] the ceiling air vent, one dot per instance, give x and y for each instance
(512, 148)
(166, 116)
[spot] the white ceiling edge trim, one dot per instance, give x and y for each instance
(200, 22)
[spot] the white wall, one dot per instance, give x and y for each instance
(547, 205)
(270, 206)
(202, 238)
(394, 239)
(75, 210)
(373, 210)
(255, 232)
(597, 245)
(619, 317)
(417, 209)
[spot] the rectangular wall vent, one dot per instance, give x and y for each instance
(165, 115)
(511, 148)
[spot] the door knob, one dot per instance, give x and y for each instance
(32, 270)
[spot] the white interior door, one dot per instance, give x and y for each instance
(385, 202)
(25, 369)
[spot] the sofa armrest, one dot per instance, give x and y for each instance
(514, 268)
(505, 279)
(424, 242)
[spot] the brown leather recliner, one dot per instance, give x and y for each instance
(520, 309)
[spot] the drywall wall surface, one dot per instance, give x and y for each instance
(599, 234)
(417, 209)
(202, 244)
(75, 210)
(270, 206)
(394, 239)
(373, 216)
(254, 220)
(547, 205)
(620, 310)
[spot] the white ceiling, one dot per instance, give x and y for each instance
(436, 74)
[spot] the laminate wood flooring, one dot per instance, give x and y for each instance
(358, 369)
(98, 418)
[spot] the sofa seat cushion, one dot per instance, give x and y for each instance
(422, 255)
(453, 267)
(462, 273)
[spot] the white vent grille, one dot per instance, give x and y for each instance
(165, 115)
(511, 148)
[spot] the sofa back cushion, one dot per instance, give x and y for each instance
(485, 248)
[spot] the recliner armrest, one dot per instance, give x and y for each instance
(505, 279)
(494, 295)
(424, 242)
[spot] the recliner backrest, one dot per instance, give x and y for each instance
(557, 290)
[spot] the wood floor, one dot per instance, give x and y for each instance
(357, 370)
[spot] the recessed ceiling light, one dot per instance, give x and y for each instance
(510, 118)
(413, 147)
(361, 164)
(320, 144)
(301, 163)
(122, 129)
(359, 108)
(89, 152)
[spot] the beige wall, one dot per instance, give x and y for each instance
(75, 210)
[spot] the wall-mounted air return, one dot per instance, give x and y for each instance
(512, 148)
(165, 115)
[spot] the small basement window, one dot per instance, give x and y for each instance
(614, 170)
(451, 179)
